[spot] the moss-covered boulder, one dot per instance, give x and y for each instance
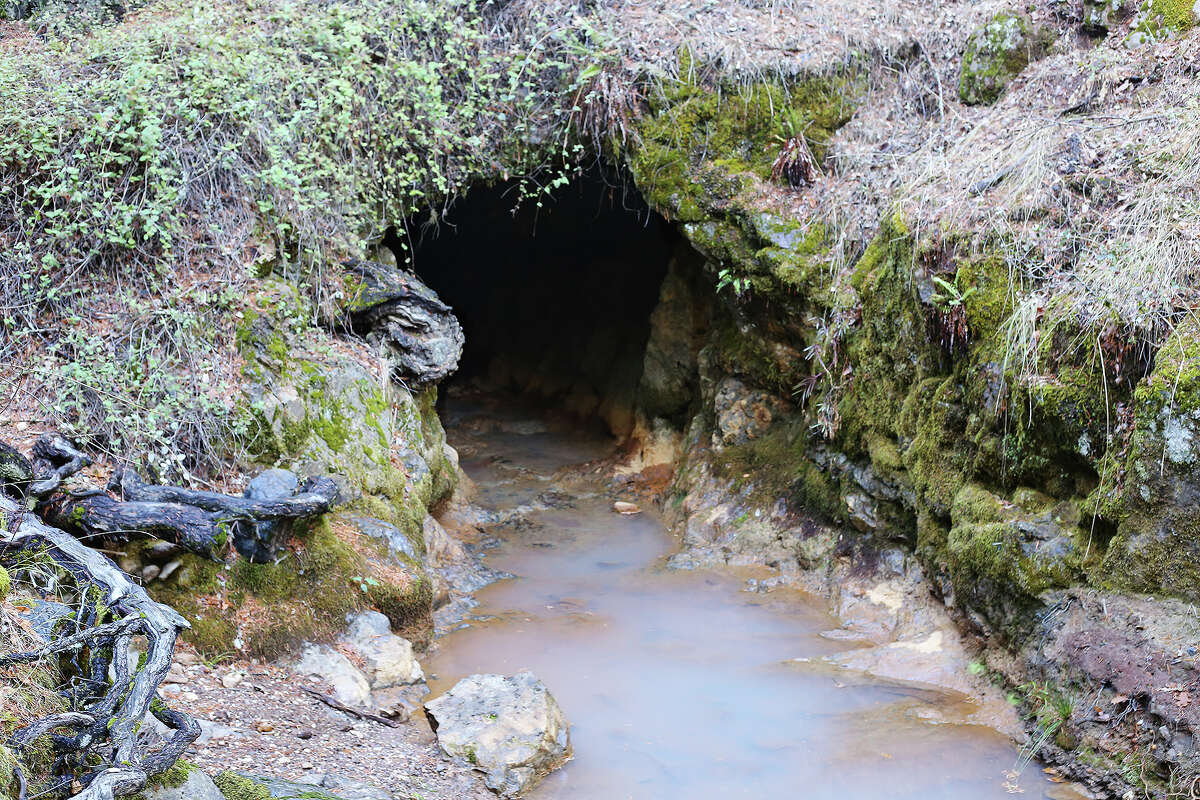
(1162, 19)
(995, 54)
(1003, 553)
(1156, 548)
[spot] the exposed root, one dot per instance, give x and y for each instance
(109, 700)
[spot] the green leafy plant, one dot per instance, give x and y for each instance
(950, 295)
(728, 279)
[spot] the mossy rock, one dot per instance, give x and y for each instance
(1156, 548)
(239, 787)
(995, 54)
(328, 571)
(1157, 20)
(1002, 556)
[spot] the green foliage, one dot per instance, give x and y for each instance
(950, 296)
(185, 140)
(728, 278)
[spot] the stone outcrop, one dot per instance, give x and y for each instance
(995, 54)
(509, 728)
(394, 308)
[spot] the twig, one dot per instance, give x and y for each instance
(357, 712)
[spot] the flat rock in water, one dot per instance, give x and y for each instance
(623, 507)
(509, 728)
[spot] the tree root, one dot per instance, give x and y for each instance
(206, 523)
(109, 700)
(99, 755)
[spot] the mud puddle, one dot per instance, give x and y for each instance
(678, 684)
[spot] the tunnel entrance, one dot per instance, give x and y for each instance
(556, 302)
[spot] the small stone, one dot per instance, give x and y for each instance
(176, 675)
(186, 657)
(169, 569)
(150, 572)
(231, 679)
(264, 727)
(623, 507)
(304, 734)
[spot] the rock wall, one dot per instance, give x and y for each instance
(851, 416)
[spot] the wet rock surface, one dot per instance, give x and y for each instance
(509, 727)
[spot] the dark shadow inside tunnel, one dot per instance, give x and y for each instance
(556, 301)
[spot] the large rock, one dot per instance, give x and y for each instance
(509, 728)
(668, 381)
(995, 54)
(259, 540)
(743, 413)
(16, 473)
(196, 786)
(398, 544)
(393, 306)
(387, 658)
(348, 682)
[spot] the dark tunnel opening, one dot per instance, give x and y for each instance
(556, 301)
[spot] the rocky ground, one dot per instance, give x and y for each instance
(258, 721)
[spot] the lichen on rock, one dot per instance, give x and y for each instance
(995, 54)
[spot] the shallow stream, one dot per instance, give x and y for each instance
(680, 684)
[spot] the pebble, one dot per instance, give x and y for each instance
(231, 679)
(264, 727)
(623, 507)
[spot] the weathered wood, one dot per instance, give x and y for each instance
(95, 514)
(357, 712)
(315, 497)
(54, 460)
(106, 718)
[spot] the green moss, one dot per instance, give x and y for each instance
(239, 787)
(1161, 19)
(1156, 548)
(995, 567)
(174, 777)
(304, 595)
(697, 136)
(5, 583)
(889, 351)
(8, 763)
(776, 466)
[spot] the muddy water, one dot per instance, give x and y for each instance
(679, 684)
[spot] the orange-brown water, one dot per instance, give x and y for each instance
(678, 684)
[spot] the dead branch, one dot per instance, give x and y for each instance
(357, 712)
